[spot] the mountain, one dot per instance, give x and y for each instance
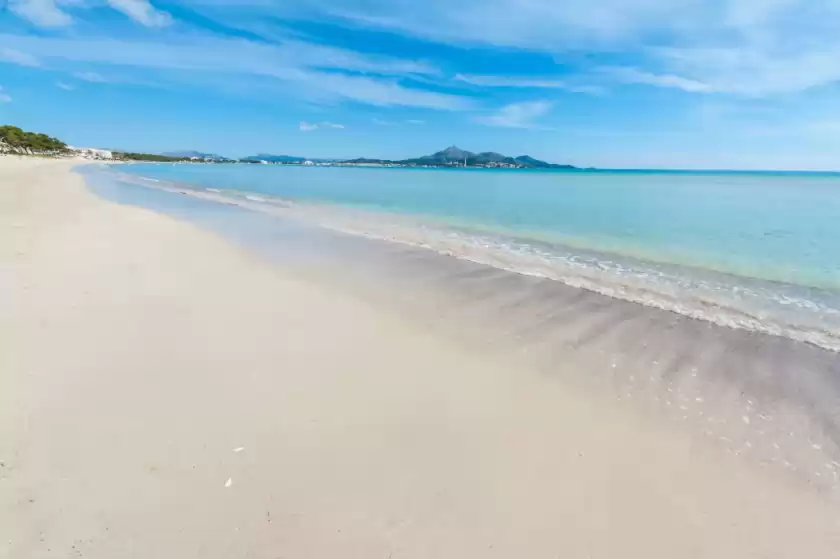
(189, 154)
(486, 157)
(449, 156)
(528, 161)
(455, 156)
(275, 158)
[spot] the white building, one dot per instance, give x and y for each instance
(92, 153)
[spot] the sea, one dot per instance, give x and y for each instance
(758, 251)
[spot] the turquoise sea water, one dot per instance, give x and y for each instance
(750, 250)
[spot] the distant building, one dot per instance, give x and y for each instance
(92, 153)
(307, 162)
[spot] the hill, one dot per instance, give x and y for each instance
(454, 156)
(449, 156)
(15, 140)
(190, 154)
(275, 158)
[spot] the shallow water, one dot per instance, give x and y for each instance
(770, 399)
(749, 250)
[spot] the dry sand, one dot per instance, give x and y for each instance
(165, 394)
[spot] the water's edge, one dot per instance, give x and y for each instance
(800, 313)
(769, 399)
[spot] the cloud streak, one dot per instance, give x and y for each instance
(517, 115)
(43, 13)
(525, 82)
(16, 57)
(142, 12)
(92, 77)
(633, 75)
(324, 73)
(311, 127)
(52, 13)
(754, 48)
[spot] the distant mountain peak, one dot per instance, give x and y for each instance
(455, 156)
(276, 158)
(190, 153)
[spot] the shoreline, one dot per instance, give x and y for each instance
(443, 238)
(766, 398)
(169, 393)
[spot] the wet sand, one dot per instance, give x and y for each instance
(168, 393)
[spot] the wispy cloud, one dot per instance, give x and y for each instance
(64, 86)
(633, 75)
(517, 115)
(385, 122)
(4, 97)
(52, 13)
(754, 48)
(142, 12)
(16, 57)
(322, 73)
(92, 77)
(311, 126)
(526, 82)
(43, 13)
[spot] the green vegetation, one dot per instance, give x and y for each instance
(147, 157)
(21, 141)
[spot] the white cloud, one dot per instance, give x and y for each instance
(310, 126)
(64, 86)
(749, 48)
(752, 72)
(92, 77)
(517, 115)
(537, 24)
(320, 73)
(17, 57)
(43, 13)
(526, 82)
(4, 97)
(385, 122)
(49, 13)
(321, 56)
(142, 12)
(632, 75)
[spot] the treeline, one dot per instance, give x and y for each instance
(20, 140)
(147, 157)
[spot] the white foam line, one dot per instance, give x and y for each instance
(730, 318)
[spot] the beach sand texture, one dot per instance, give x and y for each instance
(166, 394)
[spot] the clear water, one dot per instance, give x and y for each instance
(751, 250)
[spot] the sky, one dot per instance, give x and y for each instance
(705, 84)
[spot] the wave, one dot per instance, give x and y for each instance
(804, 314)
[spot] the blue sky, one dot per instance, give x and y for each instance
(610, 83)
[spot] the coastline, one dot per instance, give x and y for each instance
(766, 398)
(758, 283)
(144, 350)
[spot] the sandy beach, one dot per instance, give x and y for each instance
(165, 393)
